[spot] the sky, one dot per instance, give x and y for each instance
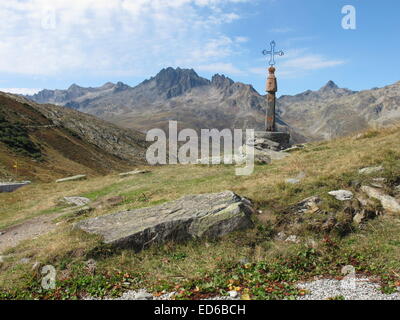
(54, 43)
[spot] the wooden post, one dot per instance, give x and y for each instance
(272, 88)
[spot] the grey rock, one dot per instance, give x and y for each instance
(190, 217)
(140, 294)
(388, 202)
(295, 148)
(233, 294)
(359, 218)
(363, 289)
(281, 236)
(74, 178)
(76, 201)
(342, 195)
(25, 260)
(364, 215)
(309, 205)
(36, 266)
(297, 179)
(293, 238)
(132, 173)
(143, 295)
(370, 170)
(292, 181)
(82, 210)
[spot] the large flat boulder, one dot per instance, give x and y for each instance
(74, 178)
(190, 217)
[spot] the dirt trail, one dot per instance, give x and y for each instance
(29, 229)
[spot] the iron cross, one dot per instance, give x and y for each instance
(272, 52)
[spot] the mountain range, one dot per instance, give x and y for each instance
(196, 102)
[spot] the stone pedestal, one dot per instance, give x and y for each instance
(275, 141)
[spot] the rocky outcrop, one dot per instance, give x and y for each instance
(342, 195)
(190, 217)
(75, 201)
(389, 203)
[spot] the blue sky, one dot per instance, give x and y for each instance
(54, 43)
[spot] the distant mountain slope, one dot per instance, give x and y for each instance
(50, 141)
(173, 94)
(332, 112)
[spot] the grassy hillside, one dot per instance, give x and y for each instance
(45, 147)
(251, 261)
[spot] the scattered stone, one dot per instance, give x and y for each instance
(363, 289)
(91, 265)
(244, 261)
(12, 186)
(309, 205)
(312, 243)
(132, 173)
(370, 170)
(296, 147)
(143, 295)
(292, 238)
(25, 260)
(297, 179)
(190, 217)
(276, 141)
(342, 195)
(388, 202)
(82, 210)
(74, 178)
(355, 184)
(281, 236)
(76, 201)
(233, 294)
(359, 217)
(36, 266)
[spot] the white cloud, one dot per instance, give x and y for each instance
(298, 62)
(227, 68)
(54, 37)
(29, 91)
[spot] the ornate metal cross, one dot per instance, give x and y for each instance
(272, 52)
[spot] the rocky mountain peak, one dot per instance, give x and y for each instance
(107, 85)
(220, 81)
(120, 86)
(330, 85)
(177, 81)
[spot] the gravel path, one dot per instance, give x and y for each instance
(362, 289)
(324, 289)
(29, 229)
